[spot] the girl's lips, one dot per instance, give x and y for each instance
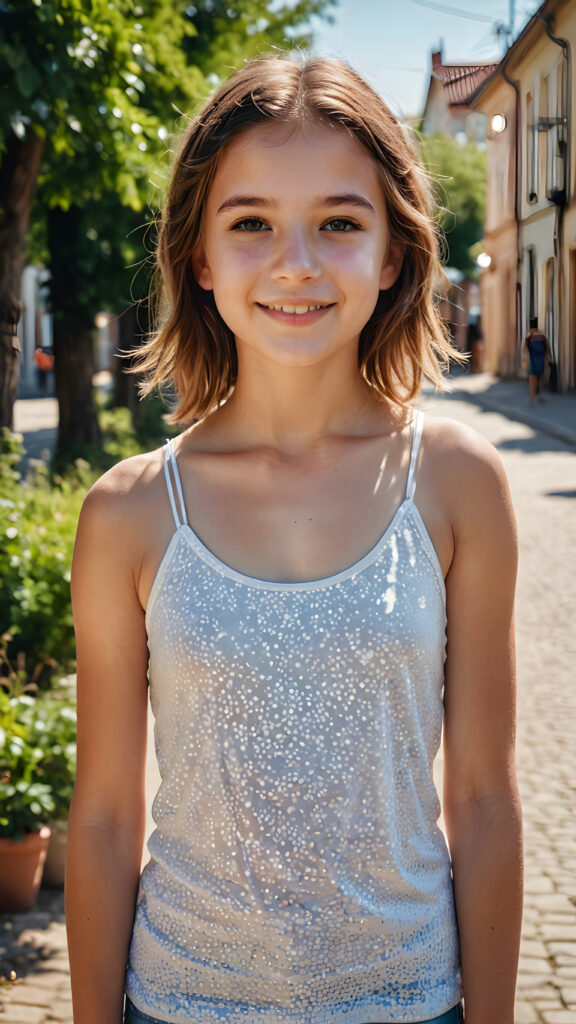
(293, 318)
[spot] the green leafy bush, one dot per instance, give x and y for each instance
(37, 530)
(26, 800)
(55, 734)
(37, 753)
(38, 520)
(123, 434)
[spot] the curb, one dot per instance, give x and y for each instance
(540, 423)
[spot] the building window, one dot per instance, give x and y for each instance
(543, 135)
(556, 175)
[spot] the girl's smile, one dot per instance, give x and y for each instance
(298, 314)
(296, 246)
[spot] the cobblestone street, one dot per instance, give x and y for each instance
(542, 472)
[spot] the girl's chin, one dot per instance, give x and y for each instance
(295, 353)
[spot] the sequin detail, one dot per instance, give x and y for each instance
(297, 872)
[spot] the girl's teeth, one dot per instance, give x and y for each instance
(295, 309)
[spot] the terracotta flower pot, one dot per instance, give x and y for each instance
(21, 866)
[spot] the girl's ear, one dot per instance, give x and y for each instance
(201, 270)
(392, 266)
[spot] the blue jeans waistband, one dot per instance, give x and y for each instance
(134, 1016)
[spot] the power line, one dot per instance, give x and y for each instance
(453, 10)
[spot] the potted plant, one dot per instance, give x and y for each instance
(26, 803)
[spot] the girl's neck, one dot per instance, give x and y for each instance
(291, 409)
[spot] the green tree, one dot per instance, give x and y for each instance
(230, 31)
(459, 174)
(89, 94)
(71, 108)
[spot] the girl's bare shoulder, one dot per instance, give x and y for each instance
(457, 446)
(123, 487)
(125, 503)
(466, 473)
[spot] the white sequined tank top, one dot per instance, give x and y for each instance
(297, 873)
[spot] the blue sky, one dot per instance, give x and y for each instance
(389, 41)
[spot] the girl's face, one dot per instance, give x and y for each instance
(295, 242)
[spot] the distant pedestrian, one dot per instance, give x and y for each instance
(315, 581)
(538, 347)
(44, 360)
(475, 341)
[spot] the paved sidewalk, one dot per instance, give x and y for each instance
(37, 420)
(554, 414)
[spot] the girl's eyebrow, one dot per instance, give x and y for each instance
(233, 201)
(345, 199)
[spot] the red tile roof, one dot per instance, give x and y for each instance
(460, 81)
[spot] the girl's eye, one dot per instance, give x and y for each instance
(341, 224)
(250, 224)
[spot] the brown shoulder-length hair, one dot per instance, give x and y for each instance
(405, 338)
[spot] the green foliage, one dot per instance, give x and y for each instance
(75, 71)
(37, 529)
(105, 85)
(459, 173)
(229, 32)
(11, 451)
(37, 754)
(122, 436)
(38, 520)
(55, 735)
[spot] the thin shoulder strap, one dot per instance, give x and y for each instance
(417, 424)
(171, 472)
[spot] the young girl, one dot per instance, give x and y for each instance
(283, 573)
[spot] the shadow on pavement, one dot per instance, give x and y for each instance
(531, 445)
(554, 415)
(24, 942)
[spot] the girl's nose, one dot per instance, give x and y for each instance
(296, 257)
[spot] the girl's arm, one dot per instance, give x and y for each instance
(106, 824)
(481, 802)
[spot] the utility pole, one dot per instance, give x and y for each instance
(511, 17)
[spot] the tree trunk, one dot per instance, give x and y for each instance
(133, 329)
(73, 327)
(18, 179)
(74, 367)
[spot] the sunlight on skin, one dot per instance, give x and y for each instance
(274, 237)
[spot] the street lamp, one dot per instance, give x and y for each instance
(498, 123)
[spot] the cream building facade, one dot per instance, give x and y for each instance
(530, 234)
(447, 110)
(498, 283)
